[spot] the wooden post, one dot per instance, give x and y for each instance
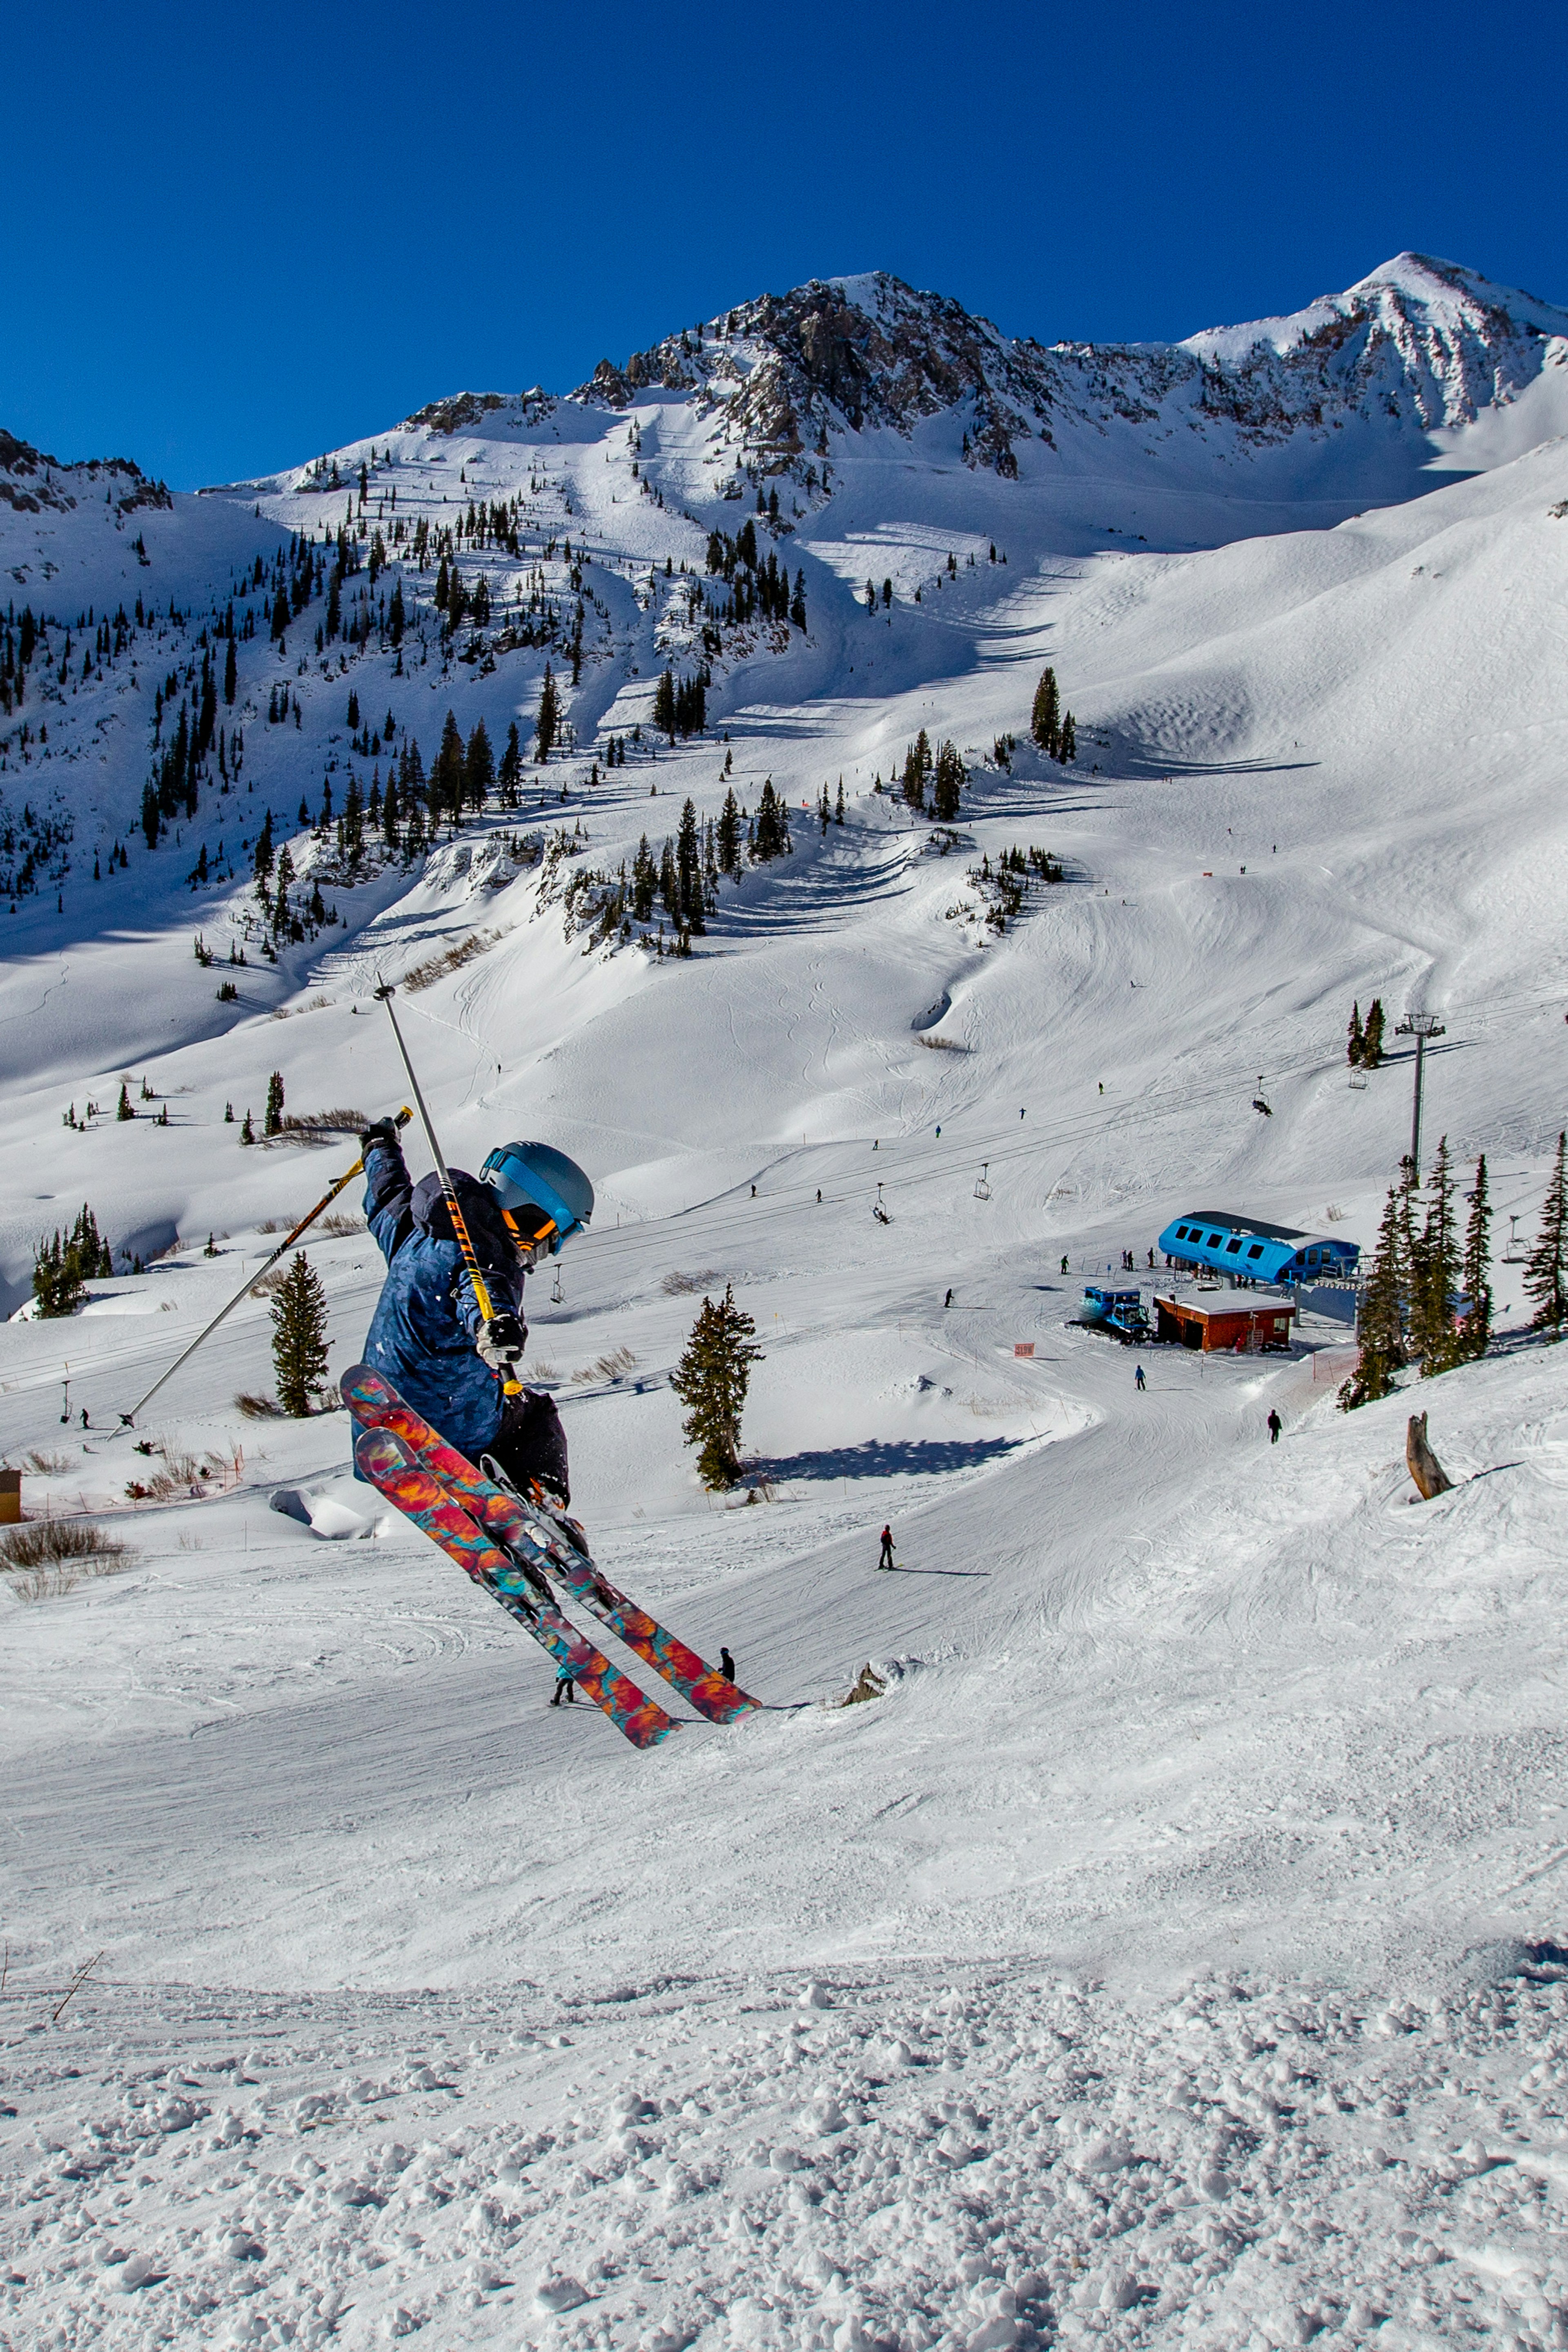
(10, 1498)
(1428, 1473)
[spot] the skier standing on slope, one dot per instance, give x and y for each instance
(1138, 1381)
(1275, 1427)
(887, 1560)
(564, 1688)
(427, 1334)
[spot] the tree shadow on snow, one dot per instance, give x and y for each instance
(883, 1459)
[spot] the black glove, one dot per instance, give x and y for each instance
(501, 1341)
(383, 1131)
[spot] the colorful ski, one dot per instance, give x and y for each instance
(406, 1482)
(536, 1537)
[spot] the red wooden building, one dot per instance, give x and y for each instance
(1239, 1324)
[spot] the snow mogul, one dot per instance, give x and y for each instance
(428, 1337)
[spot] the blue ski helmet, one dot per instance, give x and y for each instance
(546, 1196)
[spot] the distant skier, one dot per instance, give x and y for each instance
(1138, 1381)
(427, 1334)
(887, 1560)
(947, 1302)
(1064, 1265)
(1275, 1427)
(726, 1664)
(563, 1685)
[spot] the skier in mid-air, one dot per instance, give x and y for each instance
(427, 1336)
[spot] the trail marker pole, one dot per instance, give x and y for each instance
(1419, 1026)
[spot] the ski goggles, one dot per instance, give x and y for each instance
(541, 1220)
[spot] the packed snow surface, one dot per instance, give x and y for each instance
(1172, 1952)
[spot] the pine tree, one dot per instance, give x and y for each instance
(1546, 1268)
(950, 782)
(1476, 1337)
(272, 1118)
(688, 870)
(644, 882)
(1372, 1039)
(547, 722)
(299, 1338)
(230, 672)
(728, 839)
(838, 805)
(1358, 1044)
(772, 834)
(1067, 748)
(479, 768)
(510, 774)
(1045, 721)
(712, 1380)
(123, 1108)
(447, 776)
(246, 1132)
(1382, 1323)
(1435, 1273)
(664, 704)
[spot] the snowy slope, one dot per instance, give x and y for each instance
(1169, 1911)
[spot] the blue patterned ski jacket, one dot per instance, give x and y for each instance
(427, 1318)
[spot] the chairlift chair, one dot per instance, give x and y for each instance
(982, 1190)
(1513, 1254)
(1260, 1101)
(878, 1212)
(558, 1296)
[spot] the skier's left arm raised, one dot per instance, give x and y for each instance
(388, 1191)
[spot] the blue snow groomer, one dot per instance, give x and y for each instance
(1218, 1242)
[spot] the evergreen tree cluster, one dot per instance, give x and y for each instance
(24, 638)
(1429, 1297)
(759, 590)
(64, 1265)
(35, 849)
(944, 773)
(680, 705)
(1052, 727)
(712, 1380)
(1365, 1051)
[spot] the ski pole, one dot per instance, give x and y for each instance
(128, 1420)
(510, 1385)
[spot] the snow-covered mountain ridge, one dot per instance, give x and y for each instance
(1421, 345)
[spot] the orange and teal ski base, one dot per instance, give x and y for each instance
(388, 1466)
(533, 1537)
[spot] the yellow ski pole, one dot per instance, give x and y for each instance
(128, 1420)
(510, 1385)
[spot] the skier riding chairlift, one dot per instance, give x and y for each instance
(427, 1336)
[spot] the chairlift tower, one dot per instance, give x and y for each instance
(1419, 1026)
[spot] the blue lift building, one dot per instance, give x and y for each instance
(1217, 1241)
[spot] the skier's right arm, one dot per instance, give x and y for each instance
(387, 1189)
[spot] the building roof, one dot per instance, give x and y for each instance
(1230, 1223)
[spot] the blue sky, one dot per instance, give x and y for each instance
(236, 240)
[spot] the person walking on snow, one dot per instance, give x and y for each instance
(1275, 1427)
(1138, 1381)
(887, 1560)
(726, 1663)
(563, 1683)
(427, 1334)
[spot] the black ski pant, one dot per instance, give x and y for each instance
(531, 1443)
